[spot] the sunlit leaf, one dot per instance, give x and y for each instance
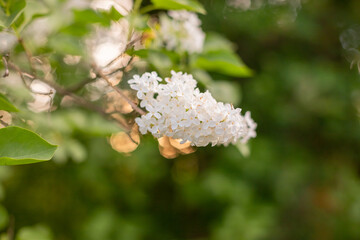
(222, 62)
(90, 16)
(11, 12)
(215, 41)
(21, 146)
(33, 10)
(190, 5)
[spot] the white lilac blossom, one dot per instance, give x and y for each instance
(107, 45)
(7, 42)
(182, 31)
(43, 96)
(179, 110)
(122, 6)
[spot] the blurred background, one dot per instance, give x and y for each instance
(299, 179)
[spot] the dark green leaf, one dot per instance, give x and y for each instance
(6, 105)
(190, 5)
(21, 146)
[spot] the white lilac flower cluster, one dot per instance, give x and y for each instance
(179, 110)
(182, 31)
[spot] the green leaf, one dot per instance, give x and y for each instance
(90, 16)
(3, 18)
(34, 9)
(215, 41)
(21, 146)
(113, 14)
(6, 105)
(84, 20)
(190, 5)
(12, 11)
(223, 62)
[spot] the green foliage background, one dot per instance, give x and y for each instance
(301, 180)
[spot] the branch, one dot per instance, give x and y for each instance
(80, 85)
(132, 104)
(77, 100)
(64, 92)
(28, 55)
(5, 61)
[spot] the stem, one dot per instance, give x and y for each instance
(80, 85)
(137, 5)
(28, 54)
(132, 104)
(148, 8)
(77, 100)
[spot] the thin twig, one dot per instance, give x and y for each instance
(21, 75)
(132, 104)
(80, 85)
(28, 55)
(131, 43)
(64, 92)
(5, 61)
(77, 100)
(128, 46)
